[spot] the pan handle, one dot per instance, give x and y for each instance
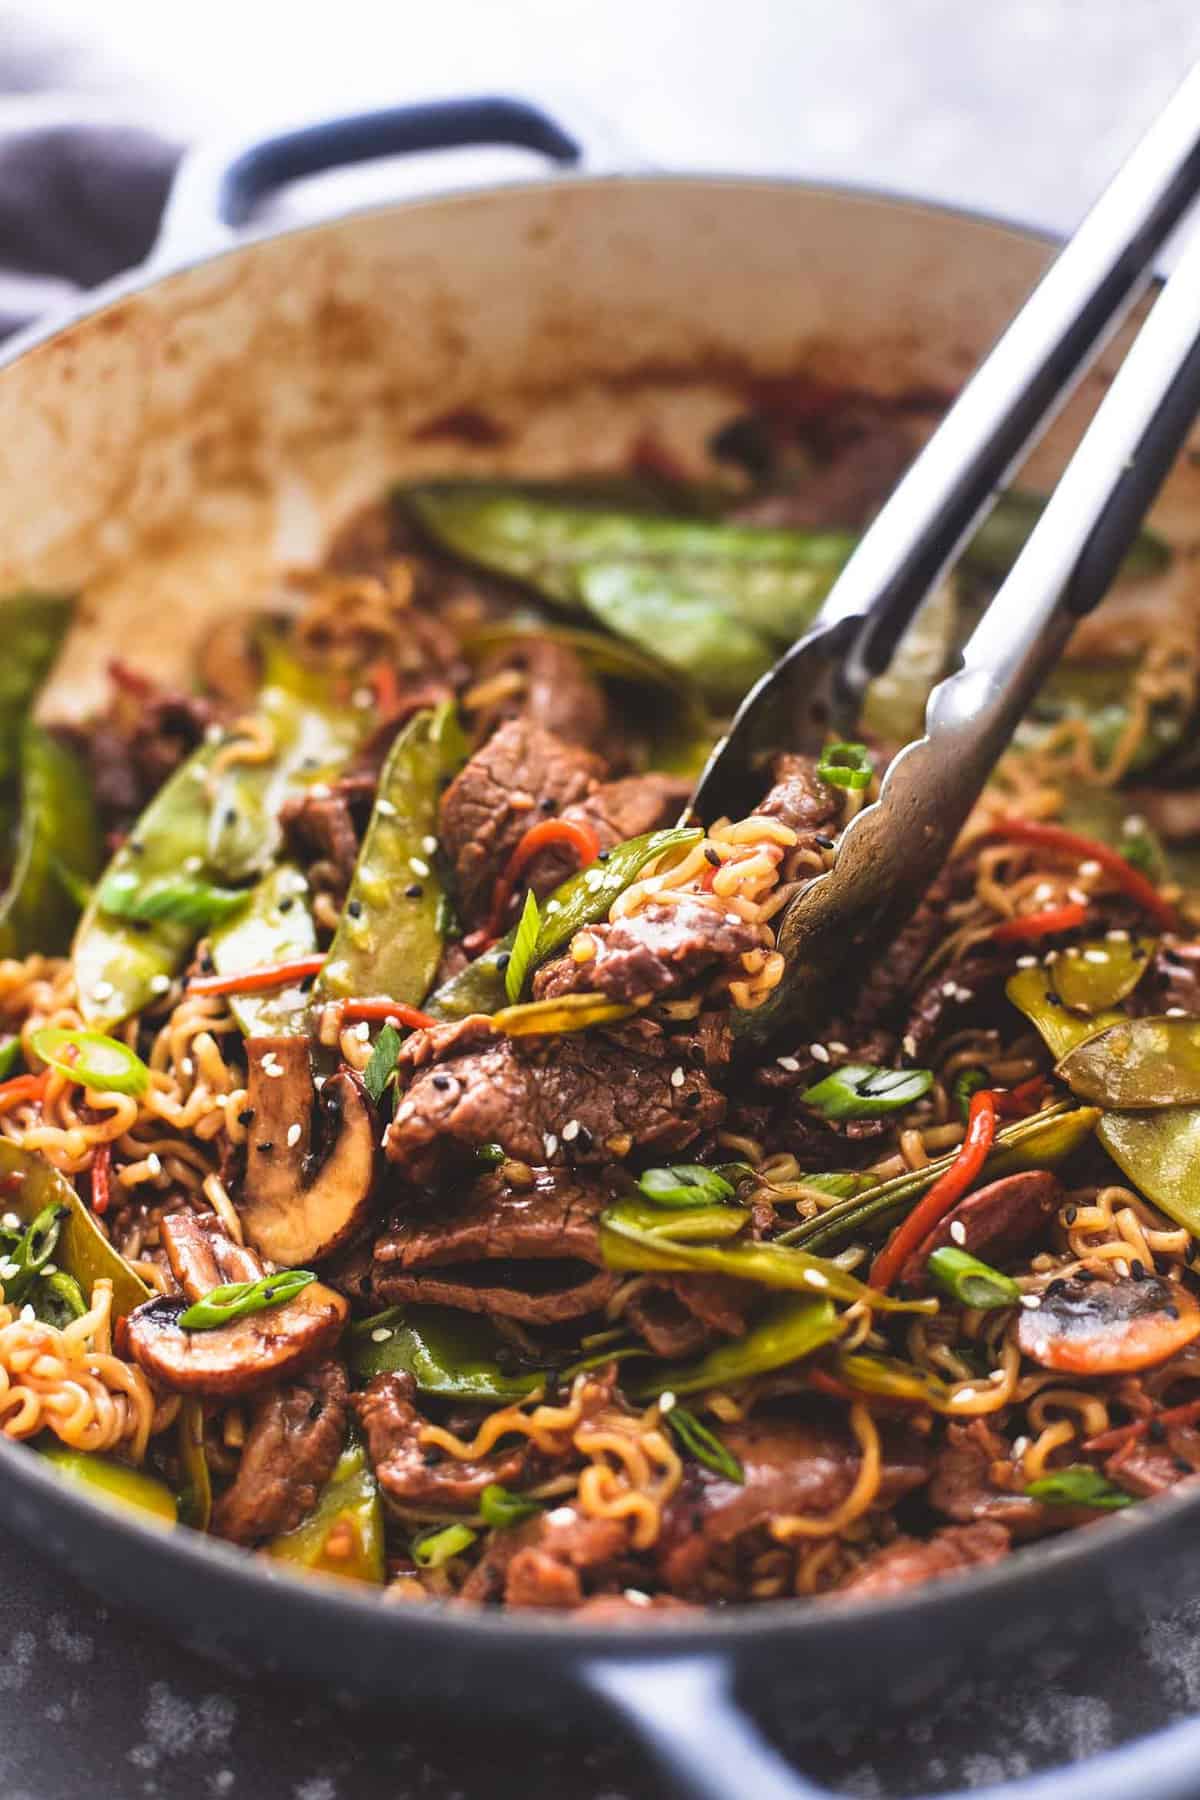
(219, 185)
(684, 1711)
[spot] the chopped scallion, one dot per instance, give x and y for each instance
(846, 766)
(704, 1445)
(685, 1184)
(430, 1549)
(238, 1299)
(971, 1282)
(93, 1060)
(500, 1507)
(1079, 1485)
(861, 1091)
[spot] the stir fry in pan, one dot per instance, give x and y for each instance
(405, 1171)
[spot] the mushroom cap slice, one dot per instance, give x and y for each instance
(1108, 1327)
(203, 1256)
(251, 1353)
(299, 1206)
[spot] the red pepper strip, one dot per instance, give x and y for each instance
(250, 981)
(387, 1009)
(581, 838)
(946, 1191)
(23, 1087)
(102, 1179)
(829, 1384)
(1020, 1101)
(1086, 849)
(1041, 924)
(386, 688)
(1187, 1414)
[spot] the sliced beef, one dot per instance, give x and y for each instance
(202, 1256)
(322, 829)
(993, 1223)
(522, 774)
(680, 1314)
(132, 748)
(791, 1465)
(961, 1487)
(1173, 979)
(954, 995)
(557, 693)
(413, 1477)
(526, 1254)
(554, 1560)
(1145, 1467)
(615, 811)
(799, 798)
(1173, 812)
(720, 1303)
(908, 1562)
(606, 1090)
(664, 948)
(296, 1435)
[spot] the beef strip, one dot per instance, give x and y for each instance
(466, 1085)
(1172, 980)
(908, 1562)
(132, 748)
(296, 1435)
(615, 811)
(411, 1476)
(322, 830)
(961, 1487)
(662, 949)
(558, 694)
(799, 798)
(202, 1256)
(554, 1560)
(526, 1254)
(993, 1223)
(680, 1314)
(522, 774)
(1145, 1468)
(791, 1465)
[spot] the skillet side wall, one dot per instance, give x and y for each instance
(168, 451)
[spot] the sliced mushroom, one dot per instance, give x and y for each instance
(251, 1353)
(1108, 1327)
(993, 1222)
(203, 1256)
(299, 1204)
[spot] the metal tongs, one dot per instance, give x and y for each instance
(891, 851)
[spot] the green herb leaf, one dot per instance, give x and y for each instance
(524, 944)
(500, 1508)
(971, 1282)
(846, 766)
(92, 1059)
(430, 1549)
(861, 1091)
(1079, 1485)
(685, 1184)
(382, 1064)
(238, 1299)
(179, 900)
(704, 1445)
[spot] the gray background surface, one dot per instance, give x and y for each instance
(1021, 108)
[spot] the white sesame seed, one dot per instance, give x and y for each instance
(1031, 1302)
(160, 984)
(1050, 958)
(213, 735)
(429, 845)
(1177, 1012)
(103, 990)
(418, 865)
(1095, 956)
(1043, 891)
(1133, 824)
(553, 906)
(908, 1044)
(294, 1134)
(666, 1402)
(1117, 936)
(570, 1131)
(733, 919)
(381, 1334)
(385, 808)
(1020, 1446)
(815, 1278)
(562, 1515)
(818, 1052)
(1078, 895)
(998, 1376)
(50, 1268)
(320, 790)
(790, 1063)
(1090, 867)
(1027, 962)
(187, 1066)
(28, 1316)
(958, 1231)
(636, 1597)
(950, 989)
(836, 1049)
(8, 1270)
(10, 1221)
(362, 698)
(362, 1031)
(1073, 952)
(549, 1145)
(154, 1163)
(594, 880)
(193, 864)
(275, 1072)
(964, 995)
(677, 1076)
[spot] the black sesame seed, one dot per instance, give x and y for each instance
(231, 815)
(207, 964)
(697, 1057)
(1071, 1214)
(1058, 1286)
(265, 1148)
(441, 1082)
(549, 806)
(246, 1117)
(1171, 1310)
(822, 842)
(711, 856)
(604, 856)
(1085, 1275)
(287, 903)
(136, 847)
(413, 891)
(355, 909)
(503, 960)
(692, 1099)
(1137, 1269)
(583, 1138)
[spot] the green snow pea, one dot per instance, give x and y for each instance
(343, 1535)
(274, 925)
(787, 1331)
(1004, 533)
(456, 1355)
(57, 847)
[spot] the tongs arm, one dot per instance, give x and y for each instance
(890, 853)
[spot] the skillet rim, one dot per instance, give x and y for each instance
(713, 1628)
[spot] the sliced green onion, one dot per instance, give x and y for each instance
(178, 900)
(382, 1063)
(490, 1156)
(238, 1299)
(704, 1445)
(31, 1253)
(10, 1056)
(92, 1059)
(430, 1549)
(846, 766)
(966, 1083)
(971, 1282)
(862, 1091)
(685, 1184)
(1079, 1485)
(524, 945)
(59, 1299)
(500, 1507)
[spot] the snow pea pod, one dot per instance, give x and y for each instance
(115, 1483)
(274, 926)
(32, 628)
(1099, 696)
(695, 632)
(389, 938)
(456, 1355)
(583, 899)
(343, 1535)
(683, 1225)
(789, 1330)
(1136, 1064)
(28, 1185)
(1103, 974)
(58, 847)
(1004, 533)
